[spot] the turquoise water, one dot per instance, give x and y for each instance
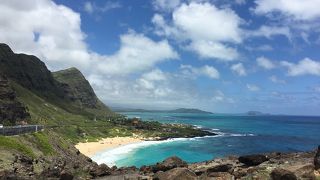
(238, 135)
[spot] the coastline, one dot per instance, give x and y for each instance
(89, 149)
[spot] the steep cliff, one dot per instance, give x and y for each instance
(31, 81)
(78, 89)
(11, 110)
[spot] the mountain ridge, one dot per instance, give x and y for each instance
(178, 110)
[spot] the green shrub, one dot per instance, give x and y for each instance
(12, 144)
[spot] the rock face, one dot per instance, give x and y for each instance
(67, 89)
(317, 159)
(29, 72)
(253, 160)
(176, 174)
(11, 110)
(78, 89)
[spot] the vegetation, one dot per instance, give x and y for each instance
(43, 143)
(10, 143)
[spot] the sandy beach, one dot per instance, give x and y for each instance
(91, 148)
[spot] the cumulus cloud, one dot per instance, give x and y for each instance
(34, 27)
(296, 9)
(306, 66)
(252, 87)
(265, 63)
(166, 5)
(197, 23)
(239, 69)
(137, 53)
(206, 70)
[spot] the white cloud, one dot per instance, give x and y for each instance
(137, 53)
(275, 79)
(303, 67)
(269, 31)
(239, 69)
(196, 24)
(34, 27)
(91, 7)
(252, 87)
(209, 49)
(166, 5)
(219, 96)
(200, 21)
(265, 63)
(296, 9)
(206, 70)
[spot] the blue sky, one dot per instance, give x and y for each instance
(218, 55)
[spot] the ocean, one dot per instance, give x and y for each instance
(238, 135)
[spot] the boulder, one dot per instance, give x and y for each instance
(98, 171)
(66, 176)
(220, 176)
(220, 168)
(176, 174)
(169, 163)
(253, 160)
(282, 174)
(317, 159)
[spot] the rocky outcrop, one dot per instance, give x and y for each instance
(11, 110)
(279, 166)
(78, 89)
(317, 159)
(176, 174)
(169, 163)
(282, 174)
(253, 160)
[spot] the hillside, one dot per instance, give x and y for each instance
(32, 82)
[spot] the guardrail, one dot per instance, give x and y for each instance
(16, 130)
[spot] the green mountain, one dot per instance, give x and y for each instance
(180, 110)
(45, 95)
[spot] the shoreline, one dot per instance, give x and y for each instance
(90, 149)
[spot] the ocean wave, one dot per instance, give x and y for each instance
(109, 157)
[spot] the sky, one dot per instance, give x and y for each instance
(216, 55)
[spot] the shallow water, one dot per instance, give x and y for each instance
(238, 135)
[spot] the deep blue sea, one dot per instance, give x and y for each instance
(238, 135)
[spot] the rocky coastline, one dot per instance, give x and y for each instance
(274, 166)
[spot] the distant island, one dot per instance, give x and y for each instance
(179, 110)
(256, 113)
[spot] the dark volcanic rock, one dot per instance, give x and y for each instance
(176, 174)
(253, 160)
(221, 175)
(101, 170)
(169, 163)
(282, 174)
(220, 168)
(317, 159)
(66, 176)
(11, 109)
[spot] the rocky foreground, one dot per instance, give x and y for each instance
(275, 166)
